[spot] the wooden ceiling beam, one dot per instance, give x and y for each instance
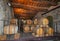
(28, 7)
(24, 17)
(20, 10)
(29, 14)
(36, 3)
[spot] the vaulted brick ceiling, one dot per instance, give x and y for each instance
(26, 9)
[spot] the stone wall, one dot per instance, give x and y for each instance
(5, 14)
(56, 17)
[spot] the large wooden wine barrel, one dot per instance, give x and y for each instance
(35, 21)
(32, 28)
(12, 29)
(13, 21)
(26, 29)
(29, 22)
(40, 32)
(17, 36)
(44, 21)
(50, 31)
(3, 37)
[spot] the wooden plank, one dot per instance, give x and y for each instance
(20, 10)
(24, 16)
(36, 3)
(28, 7)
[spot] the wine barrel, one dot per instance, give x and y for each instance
(44, 21)
(29, 22)
(3, 37)
(50, 32)
(35, 21)
(12, 29)
(13, 21)
(26, 28)
(41, 33)
(32, 27)
(17, 36)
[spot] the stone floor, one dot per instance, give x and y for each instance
(32, 39)
(29, 37)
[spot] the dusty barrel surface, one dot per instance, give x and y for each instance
(10, 29)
